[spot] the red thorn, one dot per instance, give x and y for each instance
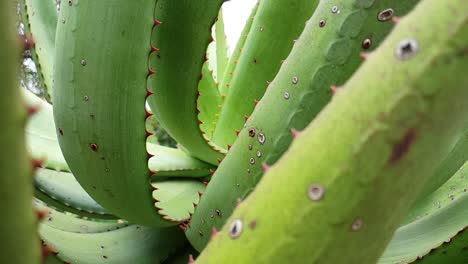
(36, 163)
(219, 160)
(190, 259)
(41, 214)
(148, 113)
(268, 83)
(156, 23)
(28, 42)
(183, 227)
(295, 132)
(246, 117)
(237, 132)
(212, 171)
(151, 72)
(47, 250)
(200, 122)
(395, 19)
(265, 167)
(153, 173)
(364, 55)
(205, 183)
(256, 101)
(150, 155)
(229, 146)
(195, 204)
(148, 93)
(154, 49)
(214, 232)
(31, 110)
(200, 194)
(333, 89)
(149, 133)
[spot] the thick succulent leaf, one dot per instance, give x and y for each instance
(439, 229)
(168, 162)
(40, 20)
(347, 181)
(233, 61)
(453, 251)
(269, 42)
(41, 134)
(180, 41)
(451, 164)
(18, 229)
(321, 57)
(131, 244)
(176, 198)
(70, 222)
(208, 103)
(452, 190)
(221, 47)
(100, 109)
(63, 187)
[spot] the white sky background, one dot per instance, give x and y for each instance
(235, 14)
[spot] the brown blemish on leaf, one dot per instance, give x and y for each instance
(402, 147)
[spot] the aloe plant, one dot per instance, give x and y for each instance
(334, 126)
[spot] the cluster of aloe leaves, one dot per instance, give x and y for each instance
(336, 132)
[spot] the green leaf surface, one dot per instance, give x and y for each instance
(208, 103)
(170, 162)
(175, 198)
(70, 222)
(132, 244)
(40, 20)
(63, 187)
(180, 41)
(41, 134)
(452, 190)
(419, 238)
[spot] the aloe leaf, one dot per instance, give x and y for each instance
(20, 243)
(41, 134)
(63, 187)
(452, 190)
(70, 222)
(327, 53)
(208, 103)
(100, 109)
(420, 238)
(357, 168)
(268, 43)
(176, 198)
(169, 162)
(40, 21)
(131, 244)
(180, 41)
(221, 47)
(449, 166)
(233, 61)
